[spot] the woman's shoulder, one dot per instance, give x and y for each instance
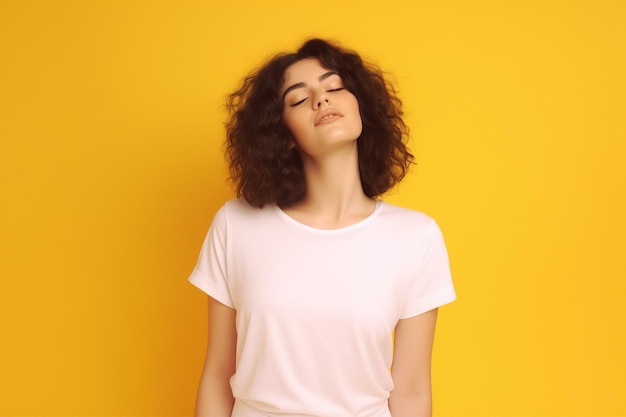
(404, 215)
(241, 205)
(238, 209)
(410, 224)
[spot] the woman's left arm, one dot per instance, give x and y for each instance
(413, 345)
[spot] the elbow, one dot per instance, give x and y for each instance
(411, 402)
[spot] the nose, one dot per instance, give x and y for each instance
(321, 100)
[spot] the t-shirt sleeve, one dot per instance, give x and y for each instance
(432, 282)
(210, 274)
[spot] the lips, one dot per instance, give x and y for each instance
(327, 116)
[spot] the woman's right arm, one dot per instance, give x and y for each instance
(215, 397)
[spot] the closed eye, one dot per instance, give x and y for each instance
(336, 89)
(297, 103)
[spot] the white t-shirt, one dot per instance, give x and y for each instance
(316, 308)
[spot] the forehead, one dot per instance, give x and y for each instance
(303, 71)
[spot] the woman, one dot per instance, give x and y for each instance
(308, 272)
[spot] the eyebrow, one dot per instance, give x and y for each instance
(300, 85)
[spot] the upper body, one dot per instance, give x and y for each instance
(311, 275)
(316, 308)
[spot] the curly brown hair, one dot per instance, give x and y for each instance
(264, 166)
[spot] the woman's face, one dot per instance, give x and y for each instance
(319, 112)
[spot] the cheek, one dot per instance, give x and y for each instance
(293, 125)
(357, 115)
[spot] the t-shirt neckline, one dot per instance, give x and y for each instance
(350, 227)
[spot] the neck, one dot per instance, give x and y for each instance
(334, 196)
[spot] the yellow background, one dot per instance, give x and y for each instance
(111, 170)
